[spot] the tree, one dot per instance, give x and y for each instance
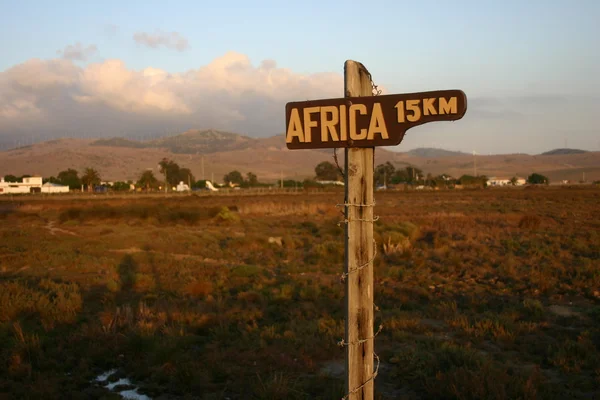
(170, 169)
(121, 186)
(52, 179)
(174, 173)
(414, 174)
(470, 180)
(148, 180)
(326, 171)
(251, 179)
(90, 178)
(384, 173)
(400, 176)
(10, 178)
(201, 184)
(69, 178)
(513, 181)
(537, 179)
(185, 175)
(234, 177)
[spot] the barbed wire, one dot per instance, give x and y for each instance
(343, 342)
(372, 378)
(375, 91)
(346, 274)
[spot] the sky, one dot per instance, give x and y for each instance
(140, 69)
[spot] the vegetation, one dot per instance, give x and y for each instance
(234, 177)
(537, 179)
(326, 171)
(174, 173)
(148, 181)
(90, 178)
(482, 295)
(70, 178)
(469, 180)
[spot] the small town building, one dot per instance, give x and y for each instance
(505, 181)
(32, 184)
(49, 187)
(182, 187)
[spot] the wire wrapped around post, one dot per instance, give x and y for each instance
(343, 277)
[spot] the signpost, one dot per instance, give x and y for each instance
(358, 122)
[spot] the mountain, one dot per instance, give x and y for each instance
(428, 152)
(212, 153)
(118, 142)
(190, 142)
(556, 152)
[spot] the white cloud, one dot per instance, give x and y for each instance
(171, 40)
(229, 93)
(78, 52)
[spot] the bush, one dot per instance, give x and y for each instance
(226, 215)
(530, 222)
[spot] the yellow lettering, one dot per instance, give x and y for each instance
(377, 123)
(343, 131)
(294, 128)
(308, 123)
(411, 105)
(448, 106)
(362, 109)
(428, 108)
(400, 107)
(328, 125)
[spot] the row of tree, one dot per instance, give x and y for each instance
(385, 174)
(71, 178)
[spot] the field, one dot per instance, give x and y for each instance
(482, 294)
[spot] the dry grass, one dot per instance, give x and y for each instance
(482, 295)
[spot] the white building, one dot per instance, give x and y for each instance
(54, 188)
(182, 187)
(31, 184)
(503, 181)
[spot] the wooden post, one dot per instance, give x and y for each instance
(359, 248)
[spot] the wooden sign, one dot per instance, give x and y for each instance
(367, 121)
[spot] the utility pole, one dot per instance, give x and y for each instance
(281, 178)
(203, 178)
(359, 246)
(474, 164)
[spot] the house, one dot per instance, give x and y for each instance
(54, 188)
(498, 181)
(182, 187)
(504, 181)
(32, 184)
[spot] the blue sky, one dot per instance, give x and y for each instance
(521, 63)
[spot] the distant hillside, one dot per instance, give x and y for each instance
(190, 142)
(202, 142)
(211, 153)
(118, 142)
(429, 152)
(558, 152)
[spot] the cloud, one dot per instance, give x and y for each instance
(59, 97)
(171, 40)
(108, 98)
(78, 52)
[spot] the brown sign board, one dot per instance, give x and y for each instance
(367, 121)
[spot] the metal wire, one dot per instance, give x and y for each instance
(375, 92)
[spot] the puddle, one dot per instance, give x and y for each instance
(131, 394)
